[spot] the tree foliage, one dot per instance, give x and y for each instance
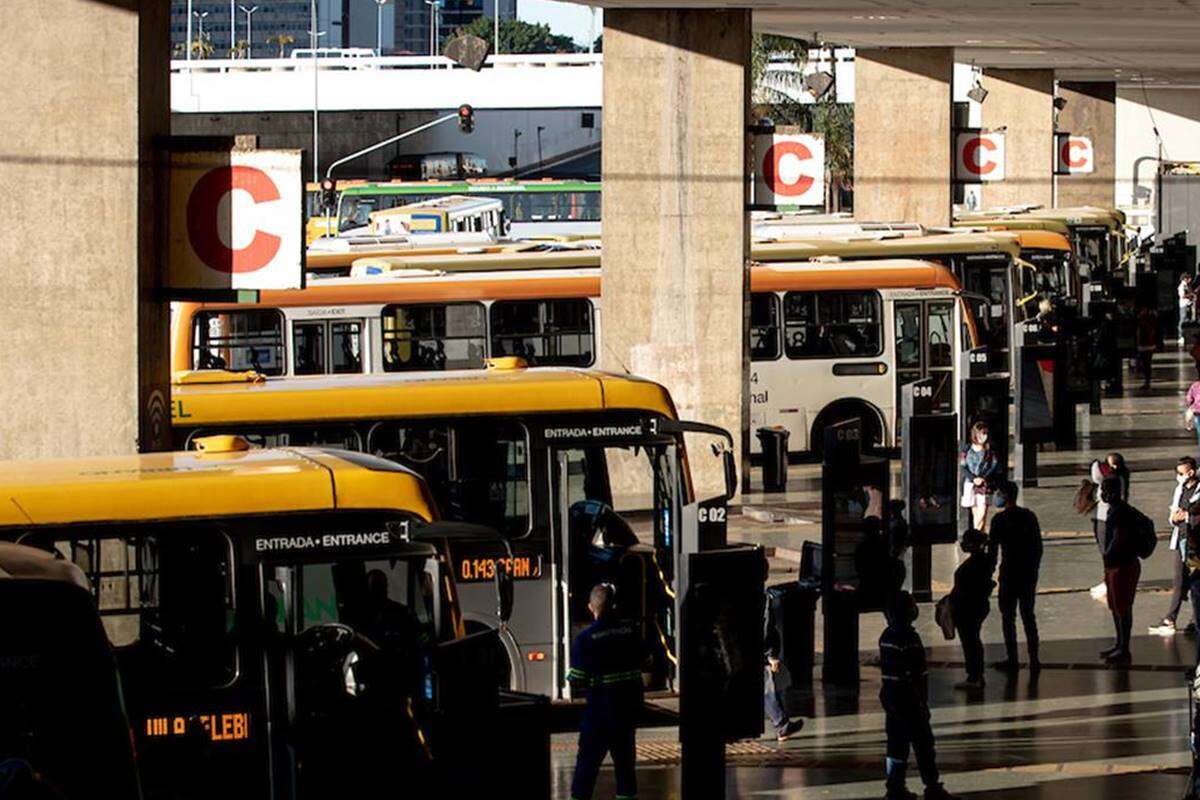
(775, 97)
(518, 36)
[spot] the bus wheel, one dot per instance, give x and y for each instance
(872, 431)
(502, 665)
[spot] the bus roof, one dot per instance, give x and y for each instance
(1016, 224)
(840, 275)
(473, 186)
(1077, 215)
(493, 391)
(900, 247)
(489, 262)
(176, 486)
(1043, 240)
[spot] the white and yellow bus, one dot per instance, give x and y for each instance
(1097, 234)
(452, 313)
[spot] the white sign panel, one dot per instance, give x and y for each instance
(978, 157)
(236, 220)
(789, 170)
(1075, 156)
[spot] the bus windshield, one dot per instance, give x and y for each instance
(1050, 276)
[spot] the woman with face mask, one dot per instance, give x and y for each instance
(981, 470)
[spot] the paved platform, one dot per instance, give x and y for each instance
(1079, 729)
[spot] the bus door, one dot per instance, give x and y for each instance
(350, 635)
(925, 337)
(616, 520)
(323, 347)
(991, 276)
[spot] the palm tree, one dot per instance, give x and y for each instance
(202, 48)
(239, 49)
(283, 40)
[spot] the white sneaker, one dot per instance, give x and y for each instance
(1165, 628)
(1099, 591)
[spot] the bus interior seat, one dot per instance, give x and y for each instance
(61, 692)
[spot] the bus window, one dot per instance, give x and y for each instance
(346, 353)
(343, 437)
(309, 348)
(166, 603)
(764, 326)
(239, 340)
(544, 332)
(433, 337)
(940, 320)
(832, 324)
(478, 471)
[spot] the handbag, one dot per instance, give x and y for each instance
(1085, 497)
(943, 614)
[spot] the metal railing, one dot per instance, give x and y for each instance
(328, 63)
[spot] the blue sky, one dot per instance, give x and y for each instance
(570, 19)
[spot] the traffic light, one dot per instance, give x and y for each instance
(466, 118)
(328, 195)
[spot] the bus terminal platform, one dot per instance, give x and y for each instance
(1078, 729)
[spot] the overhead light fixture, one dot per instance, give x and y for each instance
(818, 84)
(977, 93)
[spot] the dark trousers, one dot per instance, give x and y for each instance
(1020, 596)
(1145, 364)
(609, 725)
(1179, 588)
(771, 702)
(907, 726)
(970, 636)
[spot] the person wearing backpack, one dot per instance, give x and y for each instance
(1128, 538)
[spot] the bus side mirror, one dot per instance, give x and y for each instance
(731, 478)
(504, 591)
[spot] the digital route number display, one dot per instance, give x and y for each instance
(234, 727)
(522, 568)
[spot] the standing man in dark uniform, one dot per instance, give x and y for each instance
(606, 660)
(905, 698)
(1017, 536)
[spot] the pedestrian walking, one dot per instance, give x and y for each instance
(1125, 543)
(981, 468)
(606, 662)
(1187, 493)
(905, 697)
(776, 712)
(1147, 343)
(970, 604)
(1016, 537)
(1191, 410)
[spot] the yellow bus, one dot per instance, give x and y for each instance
(245, 594)
(584, 473)
(1097, 234)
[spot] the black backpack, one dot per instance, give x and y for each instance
(1147, 537)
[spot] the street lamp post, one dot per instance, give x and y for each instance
(232, 27)
(200, 15)
(379, 26)
(313, 36)
(249, 12)
(435, 25)
(188, 54)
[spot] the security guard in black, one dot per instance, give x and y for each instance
(606, 662)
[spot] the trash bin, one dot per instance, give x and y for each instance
(793, 610)
(774, 441)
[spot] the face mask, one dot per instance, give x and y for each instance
(1000, 501)
(1182, 479)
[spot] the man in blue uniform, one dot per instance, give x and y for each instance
(606, 661)
(905, 698)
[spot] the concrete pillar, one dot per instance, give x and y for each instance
(902, 134)
(676, 233)
(1091, 111)
(1021, 101)
(84, 366)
